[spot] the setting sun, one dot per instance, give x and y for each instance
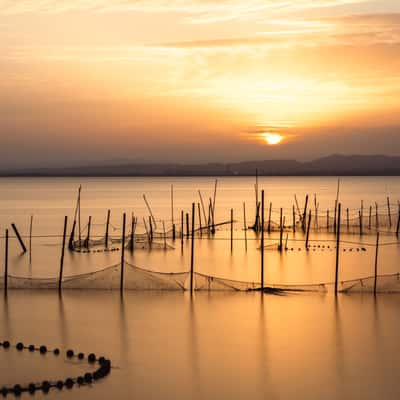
(272, 139)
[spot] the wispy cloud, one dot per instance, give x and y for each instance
(229, 7)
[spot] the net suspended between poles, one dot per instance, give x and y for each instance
(137, 278)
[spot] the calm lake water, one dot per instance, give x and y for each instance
(214, 345)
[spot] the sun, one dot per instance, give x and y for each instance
(272, 139)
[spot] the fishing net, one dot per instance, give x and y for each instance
(136, 278)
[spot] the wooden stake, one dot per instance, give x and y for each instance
(88, 232)
(151, 229)
(360, 219)
(62, 254)
(192, 253)
(187, 225)
(200, 225)
(376, 261)
(398, 222)
(132, 241)
(245, 226)
(107, 226)
(370, 217)
(294, 219)
(72, 237)
(79, 217)
(172, 204)
(269, 217)
(121, 287)
(348, 219)
(231, 230)
(262, 242)
(335, 218)
(150, 211)
(389, 213)
(19, 238)
(30, 239)
(182, 229)
(376, 216)
(327, 219)
(6, 264)
(203, 208)
(305, 213)
(281, 230)
(337, 248)
(164, 236)
(308, 229)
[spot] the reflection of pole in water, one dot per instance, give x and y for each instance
(339, 346)
(194, 351)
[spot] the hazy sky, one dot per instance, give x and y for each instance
(197, 80)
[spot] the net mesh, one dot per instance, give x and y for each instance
(136, 278)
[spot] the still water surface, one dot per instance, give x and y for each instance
(213, 345)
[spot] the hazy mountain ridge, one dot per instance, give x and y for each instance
(330, 165)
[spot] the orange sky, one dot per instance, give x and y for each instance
(197, 80)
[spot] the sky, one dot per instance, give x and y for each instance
(87, 81)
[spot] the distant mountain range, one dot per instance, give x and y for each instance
(334, 165)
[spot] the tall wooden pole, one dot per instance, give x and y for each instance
(231, 230)
(6, 264)
(60, 277)
(262, 241)
(337, 247)
(107, 226)
(192, 252)
(305, 213)
(308, 229)
(376, 262)
(121, 287)
(187, 225)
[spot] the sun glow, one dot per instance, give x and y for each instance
(272, 139)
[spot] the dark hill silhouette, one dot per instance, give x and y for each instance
(331, 165)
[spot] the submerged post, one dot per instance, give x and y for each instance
(62, 254)
(6, 264)
(308, 229)
(192, 253)
(262, 241)
(107, 226)
(21, 242)
(337, 248)
(348, 218)
(370, 217)
(376, 261)
(389, 214)
(121, 287)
